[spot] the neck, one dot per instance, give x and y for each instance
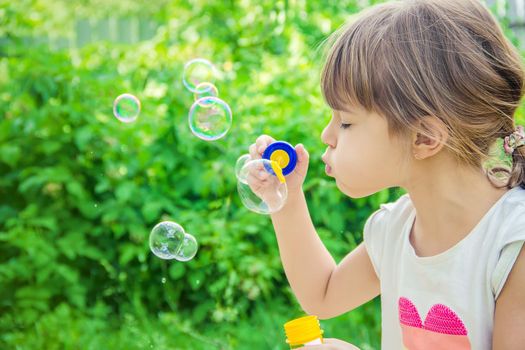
(449, 202)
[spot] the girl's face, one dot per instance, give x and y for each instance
(361, 155)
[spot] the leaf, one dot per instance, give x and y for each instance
(10, 154)
(76, 190)
(125, 191)
(128, 252)
(151, 209)
(177, 270)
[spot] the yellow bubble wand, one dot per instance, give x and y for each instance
(278, 171)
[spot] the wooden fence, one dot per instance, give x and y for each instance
(512, 12)
(133, 30)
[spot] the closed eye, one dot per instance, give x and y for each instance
(345, 126)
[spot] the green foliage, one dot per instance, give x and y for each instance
(80, 191)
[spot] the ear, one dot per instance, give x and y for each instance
(430, 138)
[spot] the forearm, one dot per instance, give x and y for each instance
(307, 263)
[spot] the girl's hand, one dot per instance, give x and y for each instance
(295, 179)
(331, 344)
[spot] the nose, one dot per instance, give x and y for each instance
(328, 136)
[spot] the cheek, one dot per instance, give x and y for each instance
(350, 169)
(362, 163)
(353, 155)
(353, 166)
(345, 158)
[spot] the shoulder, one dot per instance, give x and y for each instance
(383, 229)
(390, 213)
(510, 217)
(508, 232)
(515, 201)
(388, 219)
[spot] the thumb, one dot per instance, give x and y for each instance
(302, 158)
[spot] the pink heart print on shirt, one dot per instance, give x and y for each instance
(442, 329)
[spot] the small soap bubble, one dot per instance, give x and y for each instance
(240, 163)
(187, 249)
(196, 71)
(165, 239)
(163, 280)
(210, 118)
(206, 90)
(259, 187)
(126, 108)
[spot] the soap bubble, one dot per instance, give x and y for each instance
(240, 163)
(206, 90)
(126, 108)
(196, 71)
(261, 186)
(210, 118)
(188, 248)
(168, 240)
(165, 239)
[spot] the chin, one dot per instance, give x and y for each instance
(355, 192)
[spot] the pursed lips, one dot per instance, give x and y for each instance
(325, 158)
(328, 167)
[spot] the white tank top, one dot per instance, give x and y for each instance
(445, 301)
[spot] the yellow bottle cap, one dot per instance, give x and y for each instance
(303, 330)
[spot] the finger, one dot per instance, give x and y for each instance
(302, 159)
(339, 344)
(302, 153)
(253, 151)
(254, 169)
(261, 175)
(332, 341)
(317, 347)
(263, 142)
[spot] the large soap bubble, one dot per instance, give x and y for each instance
(261, 186)
(210, 118)
(240, 163)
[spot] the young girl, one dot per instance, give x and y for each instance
(421, 91)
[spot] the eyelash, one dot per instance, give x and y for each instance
(345, 126)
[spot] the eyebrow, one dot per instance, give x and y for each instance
(347, 114)
(347, 109)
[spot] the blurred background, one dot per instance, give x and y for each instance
(80, 191)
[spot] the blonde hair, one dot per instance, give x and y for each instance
(443, 58)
